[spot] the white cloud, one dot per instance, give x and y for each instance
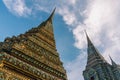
(68, 16)
(17, 7)
(75, 67)
(102, 18)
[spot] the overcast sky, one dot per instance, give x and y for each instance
(100, 18)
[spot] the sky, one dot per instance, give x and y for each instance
(100, 18)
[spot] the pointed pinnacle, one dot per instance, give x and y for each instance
(86, 34)
(88, 39)
(51, 16)
(110, 58)
(113, 63)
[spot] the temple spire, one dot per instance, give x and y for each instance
(93, 54)
(48, 24)
(91, 48)
(50, 18)
(88, 40)
(113, 63)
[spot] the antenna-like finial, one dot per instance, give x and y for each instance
(51, 16)
(113, 63)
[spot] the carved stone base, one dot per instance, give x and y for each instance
(6, 74)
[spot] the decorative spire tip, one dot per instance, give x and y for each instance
(52, 14)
